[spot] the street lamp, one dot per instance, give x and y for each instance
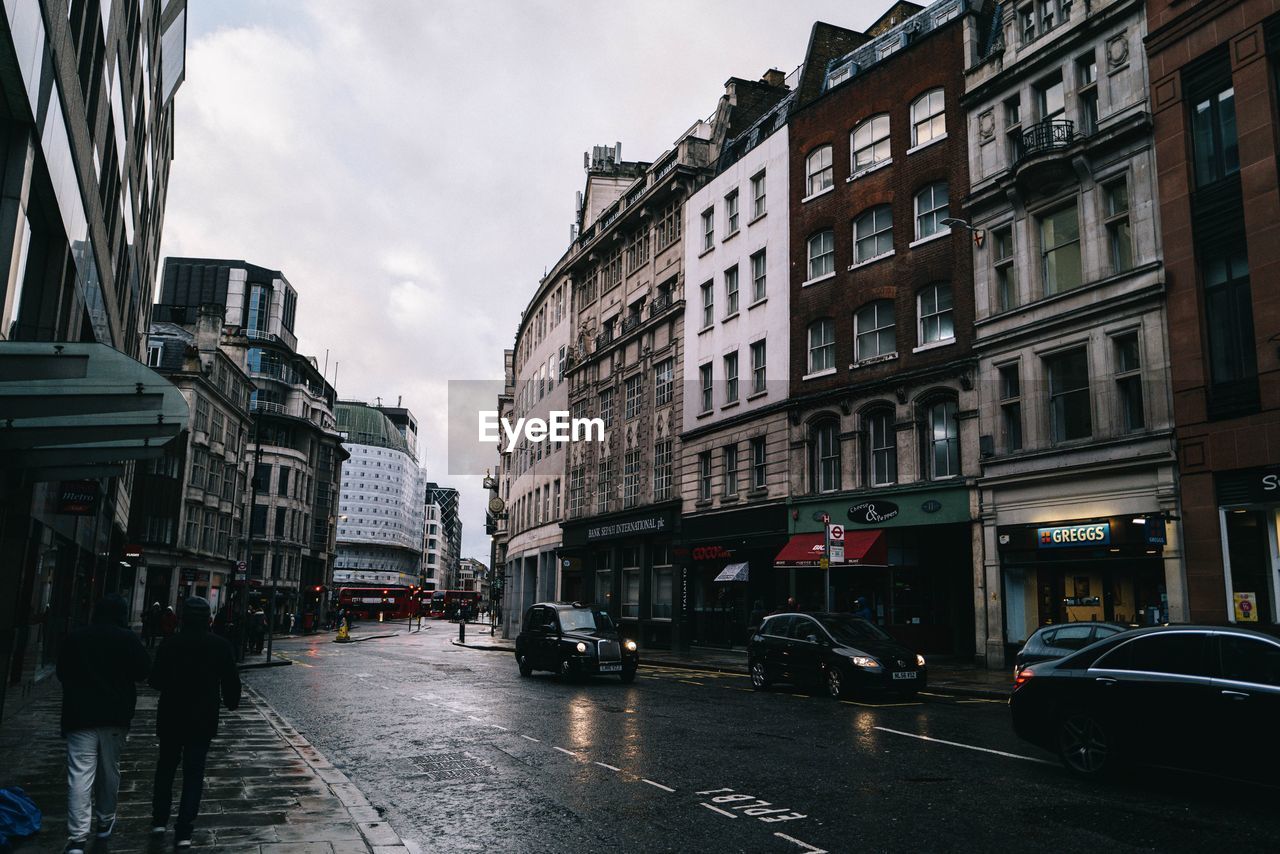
(978, 234)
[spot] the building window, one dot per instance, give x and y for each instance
(731, 291)
(662, 587)
(1087, 92)
(606, 407)
(631, 583)
(1027, 23)
(667, 231)
(663, 382)
(758, 470)
(1050, 98)
(731, 377)
(198, 458)
(259, 308)
(731, 214)
(577, 488)
(708, 305)
(1070, 414)
(824, 463)
(819, 171)
(708, 229)
(1128, 356)
(631, 479)
(1060, 250)
(822, 254)
(873, 331)
(758, 357)
(662, 470)
(704, 476)
(822, 345)
(154, 352)
(730, 470)
(873, 234)
(1228, 317)
(202, 414)
(936, 323)
(282, 483)
(1006, 268)
(882, 447)
(931, 209)
(870, 143)
(634, 395)
(604, 485)
(758, 288)
(604, 579)
(758, 200)
(1213, 136)
(1013, 127)
(928, 120)
(705, 380)
(1010, 408)
(1119, 240)
(943, 440)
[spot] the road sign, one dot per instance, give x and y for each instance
(837, 552)
(823, 563)
(820, 516)
(835, 533)
(240, 566)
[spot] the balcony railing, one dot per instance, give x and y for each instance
(1050, 135)
(268, 406)
(630, 323)
(604, 339)
(660, 303)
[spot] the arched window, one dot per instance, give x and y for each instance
(873, 331)
(873, 234)
(818, 168)
(931, 209)
(870, 143)
(941, 449)
(934, 310)
(824, 459)
(880, 457)
(928, 121)
(822, 254)
(822, 345)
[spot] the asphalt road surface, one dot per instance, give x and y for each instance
(465, 755)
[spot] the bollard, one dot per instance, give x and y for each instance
(462, 631)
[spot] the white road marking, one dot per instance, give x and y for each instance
(567, 752)
(965, 746)
(531, 738)
(499, 726)
(657, 785)
(805, 845)
(473, 717)
(717, 809)
(610, 767)
(385, 687)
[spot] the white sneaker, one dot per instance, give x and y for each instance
(158, 830)
(105, 829)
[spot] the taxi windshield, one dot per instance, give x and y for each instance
(584, 620)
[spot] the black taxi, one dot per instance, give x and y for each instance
(573, 640)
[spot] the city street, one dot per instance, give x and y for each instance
(463, 754)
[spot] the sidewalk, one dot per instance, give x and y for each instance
(948, 678)
(267, 789)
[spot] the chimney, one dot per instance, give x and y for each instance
(774, 77)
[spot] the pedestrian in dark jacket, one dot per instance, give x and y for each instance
(168, 622)
(99, 666)
(195, 673)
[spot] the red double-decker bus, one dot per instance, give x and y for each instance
(393, 603)
(446, 603)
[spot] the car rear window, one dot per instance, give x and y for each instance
(1072, 637)
(1249, 660)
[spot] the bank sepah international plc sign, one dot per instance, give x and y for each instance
(659, 524)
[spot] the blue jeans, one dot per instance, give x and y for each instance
(192, 756)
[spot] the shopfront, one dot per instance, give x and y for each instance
(921, 590)
(1249, 519)
(1073, 570)
(625, 564)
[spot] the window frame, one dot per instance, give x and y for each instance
(950, 437)
(824, 462)
(826, 256)
(875, 236)
(937, 317)
(706, 377)
(882, 457)
(826, 344)
(1128, 380)
(1047, 252)
(758, 366)
(730, 361)
(931, 214)
(870, 123)
(759, 195)
(877, 331)
(731, 213)
(1058, 398)
(824, 172)
(917, 121)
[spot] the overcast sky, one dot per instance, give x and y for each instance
(411, 166)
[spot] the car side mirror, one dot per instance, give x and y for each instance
(812, 638)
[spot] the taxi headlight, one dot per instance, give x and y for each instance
(631, 646)
(865, 661)
(919, 660)
(582, 647)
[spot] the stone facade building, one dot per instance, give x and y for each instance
(1069, 325)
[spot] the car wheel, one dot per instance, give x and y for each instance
(835, 682)
(1084, 745)
(628, 675)
(526, 669)
(759, 680)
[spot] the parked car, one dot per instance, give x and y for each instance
(839, 652)
(573, 640)
(1195, 697)
(1062, 639)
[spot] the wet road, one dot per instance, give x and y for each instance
(464, 755)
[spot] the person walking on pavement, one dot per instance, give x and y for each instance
(257, 630)
(99, 667)
(195, 673)
(168, 622)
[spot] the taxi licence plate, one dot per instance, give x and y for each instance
(615, 668)
(905, 674)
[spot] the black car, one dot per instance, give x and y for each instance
(839, 652)
(1059, 641)
(1195, 697)
(574, 640)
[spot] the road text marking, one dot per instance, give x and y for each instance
(965, 746)
(657, 785)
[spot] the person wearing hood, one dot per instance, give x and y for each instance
(195, 673)
(99, 667)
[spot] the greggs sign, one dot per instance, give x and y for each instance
(1068, 536)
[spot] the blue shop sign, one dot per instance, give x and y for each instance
(1074, 536)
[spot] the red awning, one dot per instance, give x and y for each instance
(861, 548)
